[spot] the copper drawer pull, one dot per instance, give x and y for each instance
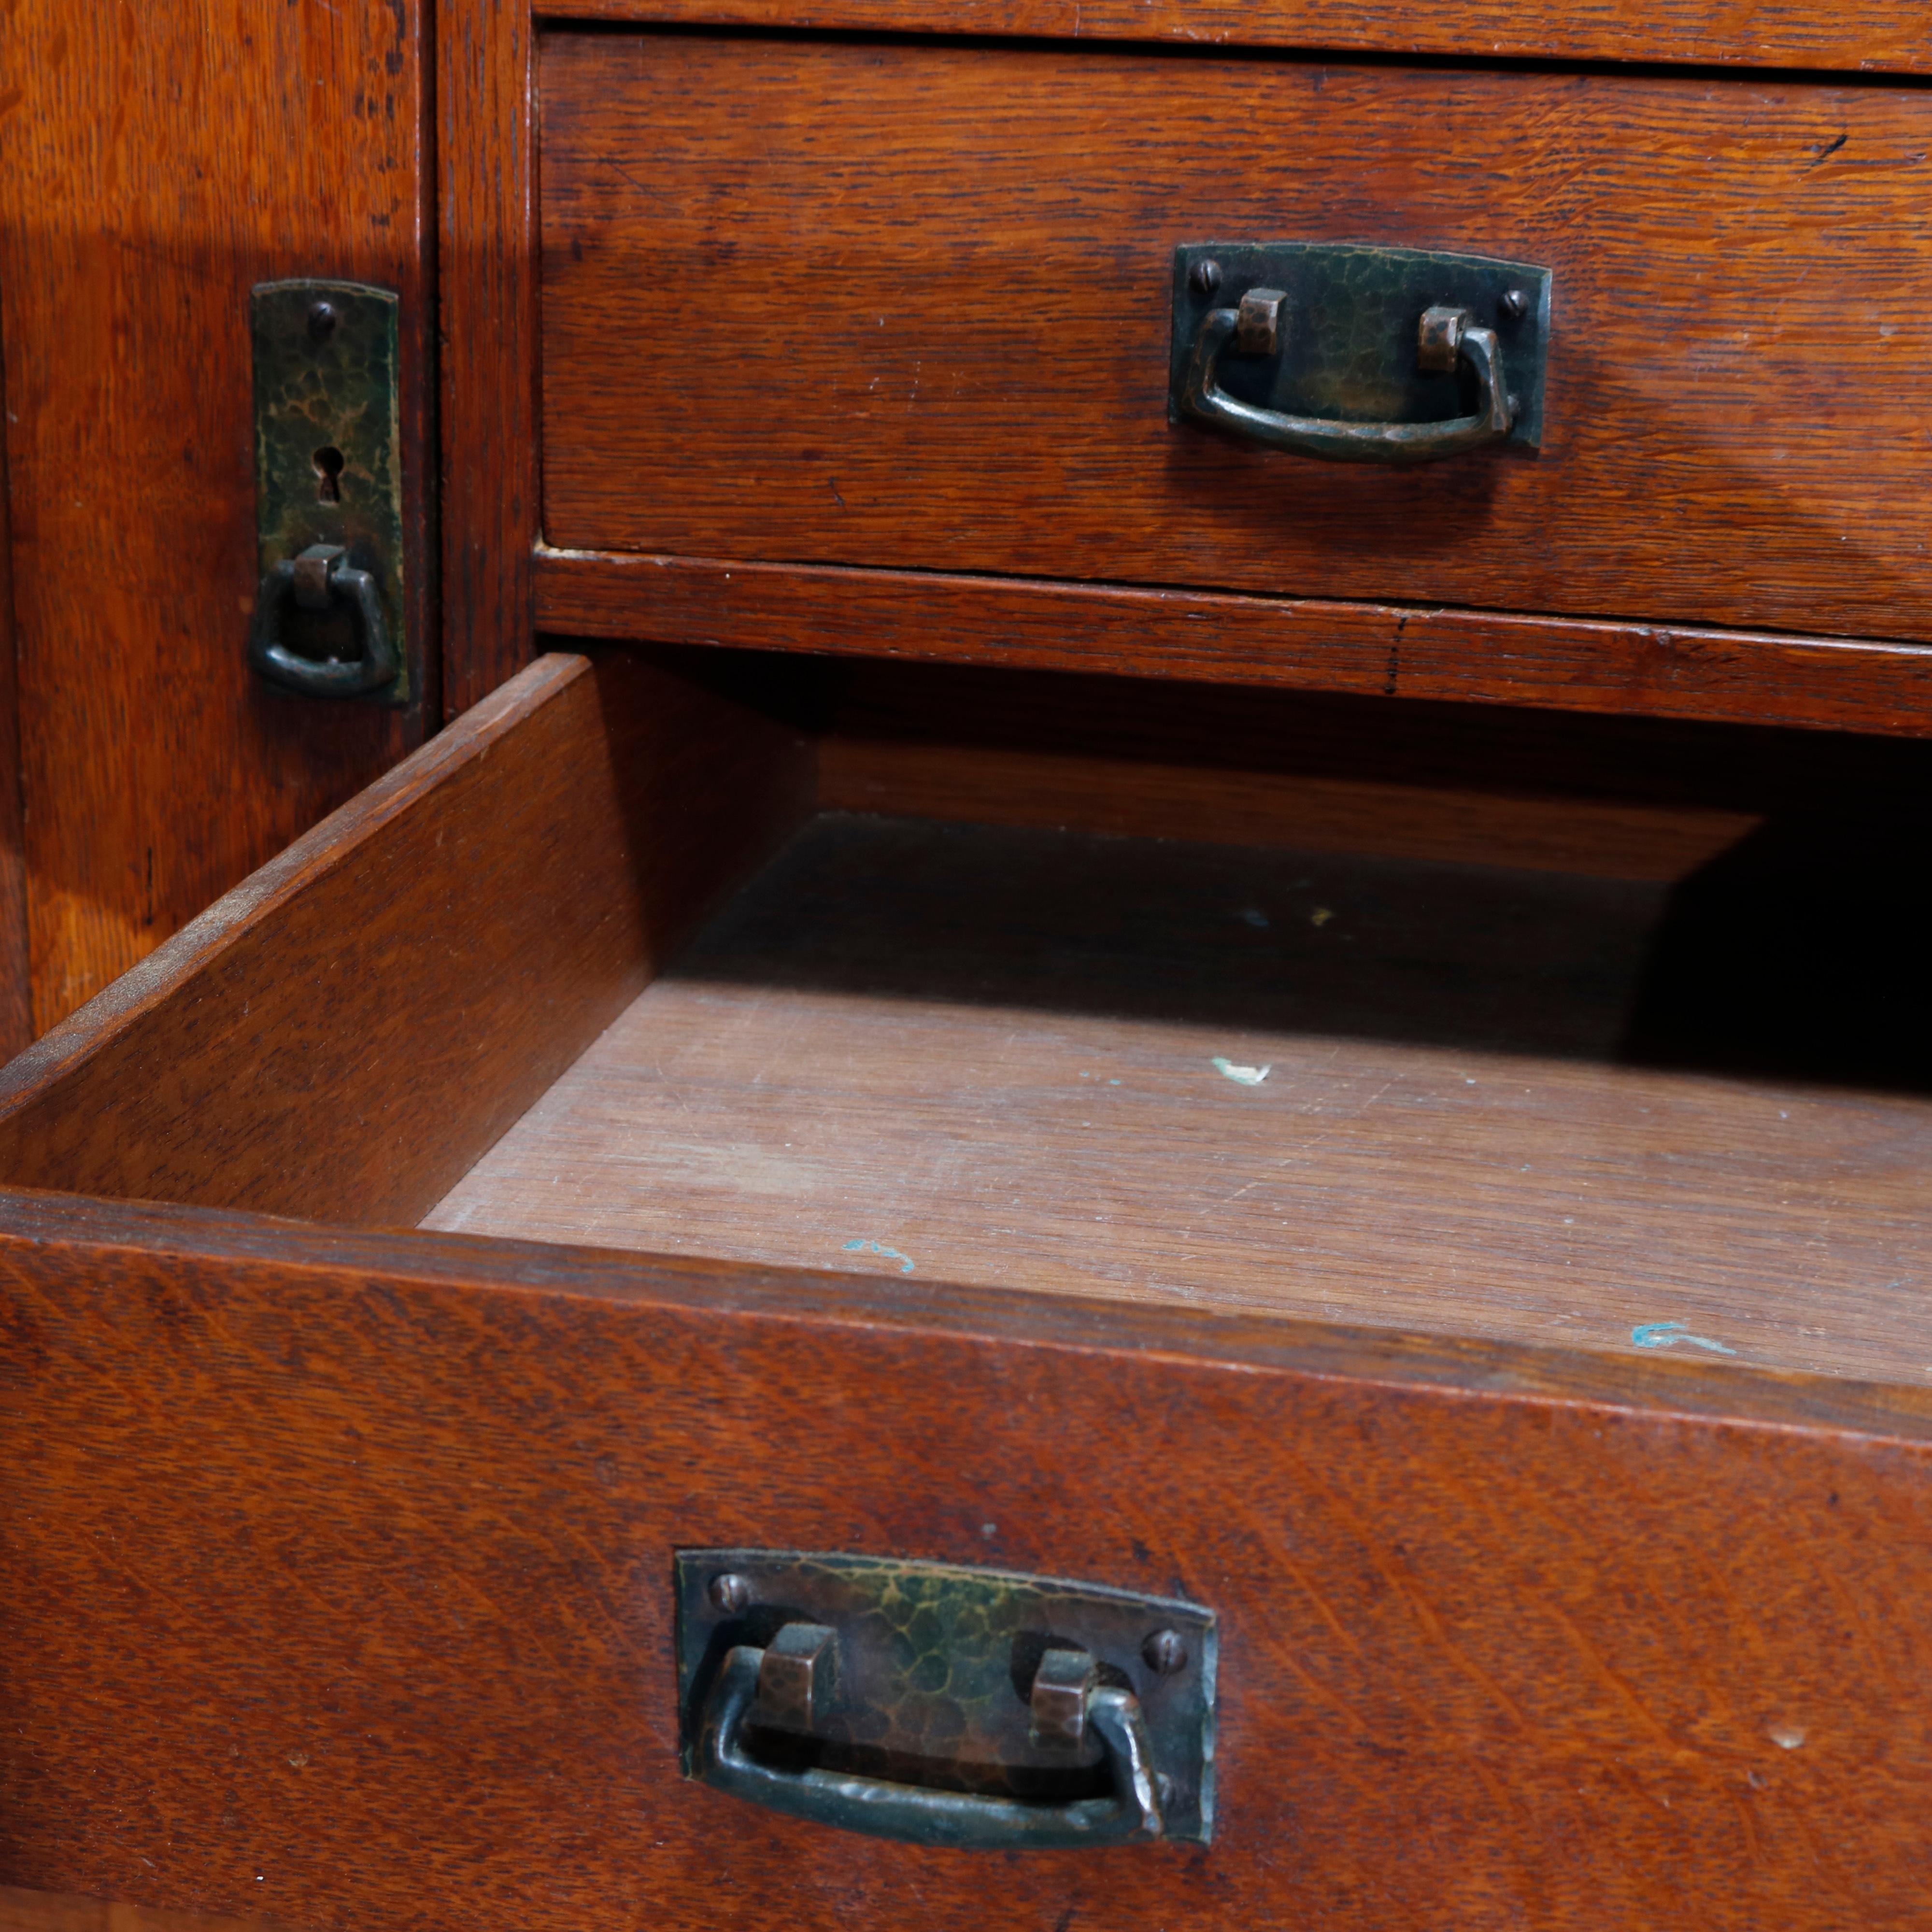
(943, 1704)
(1068, 1701)
(1357, 354)
(1445, 336)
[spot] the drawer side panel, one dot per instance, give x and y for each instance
(341, 1036)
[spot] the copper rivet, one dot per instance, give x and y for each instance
(1165, 1652)
(729, 1594)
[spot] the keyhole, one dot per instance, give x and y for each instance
(328, 461)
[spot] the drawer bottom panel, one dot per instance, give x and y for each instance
(1405, 1092)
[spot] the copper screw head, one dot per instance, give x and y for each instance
(1165, 1652)
(729, 1594)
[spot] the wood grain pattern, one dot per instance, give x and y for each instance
(486, 162)
(384, 1638)
(1493, 657)
(58, 1912)
(907, 305)
(1134, 798)
(17, 1011)
(154, 164)
(1866, 35)
(344, 1033)
(1510, 752)
(996, 1058)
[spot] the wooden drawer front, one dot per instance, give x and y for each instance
(338, 1590)
(909, 305)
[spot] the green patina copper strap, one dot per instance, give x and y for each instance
(327, 465)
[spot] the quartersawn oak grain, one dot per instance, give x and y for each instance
(1493, 657)
(486, 163)
(974, 785)
(334, 1566)
(385, 1635)
(907, 305)
(1865, 35)
(342, 1035)
(16, 1013)
(154, 164)
(58, 1912)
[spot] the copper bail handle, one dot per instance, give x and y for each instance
(1446, 337)
(784, 1685)
(320, 577)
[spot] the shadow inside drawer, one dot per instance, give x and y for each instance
(1795, 954)
(1800, 953)
(1398, 950)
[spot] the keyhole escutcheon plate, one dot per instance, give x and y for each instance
(328, 450)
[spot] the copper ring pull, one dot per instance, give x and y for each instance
(314, 581)
(1446, 337)
(786, 1686)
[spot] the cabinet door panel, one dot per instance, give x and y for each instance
(152, 171)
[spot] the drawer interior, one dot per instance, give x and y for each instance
(1384, 1091)
(1603, 1033)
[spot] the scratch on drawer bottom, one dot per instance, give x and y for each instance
(1661, 1334)
(890, 1254)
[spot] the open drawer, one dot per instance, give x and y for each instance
(687, 1108)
